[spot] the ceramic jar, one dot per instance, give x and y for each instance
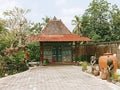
(103, 61)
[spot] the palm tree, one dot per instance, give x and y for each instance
(78, 26)
(45, 20)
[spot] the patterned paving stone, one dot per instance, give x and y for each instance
(55, 78)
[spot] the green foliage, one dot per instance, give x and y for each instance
(85, 57)
(115, 22)
(2, 46)
(19, 61)
(101, 21)
(13, 38)
(3, 43)
(79, 58)
(18, 57)
(94, 36)
(95, 20)
(36, 28)
(84, 65)
(7, 38)
(45, 62)
(13, 65)
(2, 26)
(45, 20)
(34, 50)
(17, 26)
(115, 75)
(78, 26)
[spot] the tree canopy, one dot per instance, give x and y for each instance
(101, 21)
(17, 24)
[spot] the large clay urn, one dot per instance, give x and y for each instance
(103, 60)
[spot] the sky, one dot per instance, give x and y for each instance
(62, 9)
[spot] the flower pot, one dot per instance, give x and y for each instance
(84, 66)
(96, 72)
(104, 76)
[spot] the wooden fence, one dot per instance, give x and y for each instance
(99, 49)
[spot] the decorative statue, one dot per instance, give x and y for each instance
(110, 67)
(92, 62)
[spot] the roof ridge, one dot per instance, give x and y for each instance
(55, 27)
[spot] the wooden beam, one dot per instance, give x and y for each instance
(76, 51)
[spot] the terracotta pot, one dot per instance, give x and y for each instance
(103, 60)
(104, 76)
(96, 72)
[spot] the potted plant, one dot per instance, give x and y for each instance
(96, 71)
(84, 66)
(114, 77)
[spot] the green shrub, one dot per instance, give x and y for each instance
(14, 64)
(115, 75)
(84, 65)
(79, 58)
(34, 50)
(44, 62)
(86, 57)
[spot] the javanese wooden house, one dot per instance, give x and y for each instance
(57, 43)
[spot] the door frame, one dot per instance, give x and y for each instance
(57, 53)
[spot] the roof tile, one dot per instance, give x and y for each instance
(55, 31)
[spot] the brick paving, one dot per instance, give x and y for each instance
(55, 78)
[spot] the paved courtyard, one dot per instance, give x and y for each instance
(55, 78)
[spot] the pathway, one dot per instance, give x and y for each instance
(55, 78)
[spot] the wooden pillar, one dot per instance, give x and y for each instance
(41, 52)
(73, 52)
(76, 51)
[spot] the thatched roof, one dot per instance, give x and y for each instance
(55, 27)
(55, 31)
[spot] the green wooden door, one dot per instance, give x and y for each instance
(57, 54)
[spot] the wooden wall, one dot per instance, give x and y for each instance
(100, 49)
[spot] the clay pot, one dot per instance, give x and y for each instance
(104, 76)
(96, 72)
(103, 61)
